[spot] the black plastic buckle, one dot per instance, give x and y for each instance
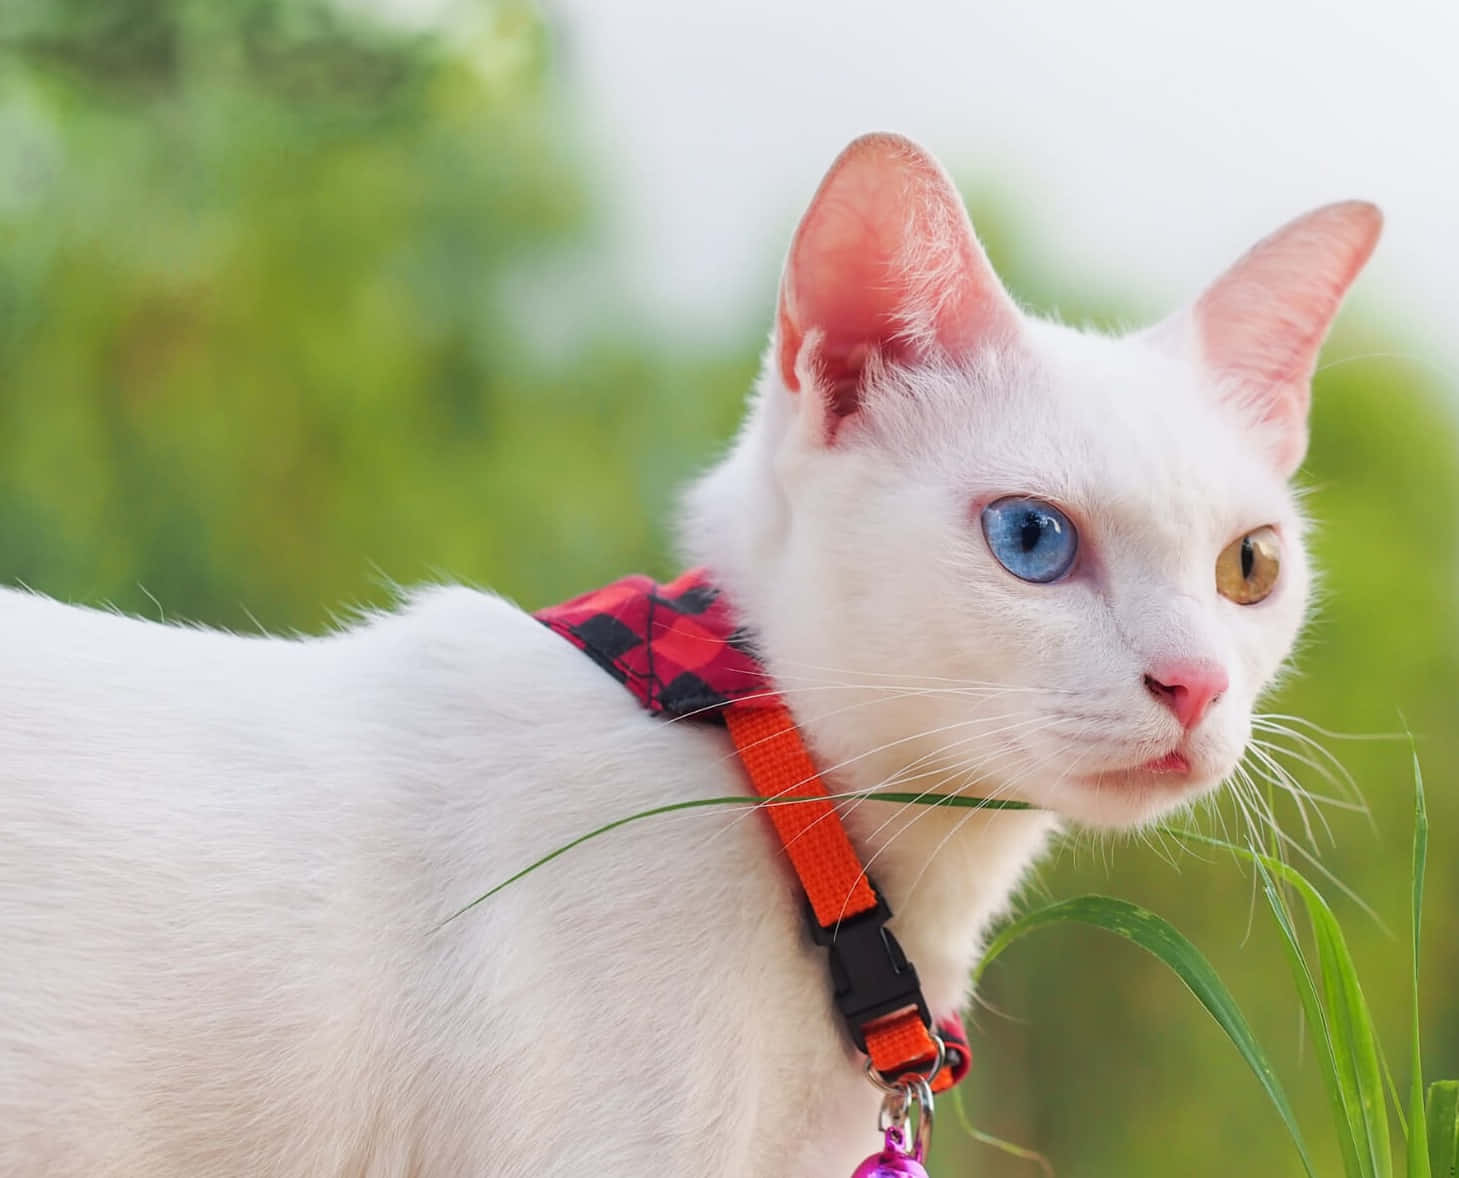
(871, 975)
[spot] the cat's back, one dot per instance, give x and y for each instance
(74, 675)
(161, 743)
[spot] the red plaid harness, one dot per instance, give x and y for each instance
(677, 649)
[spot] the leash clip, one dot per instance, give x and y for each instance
(904, 1147)
(870, 975)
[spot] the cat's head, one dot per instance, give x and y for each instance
(994, 554)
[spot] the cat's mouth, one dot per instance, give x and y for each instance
(1167, 771)
(1172, 762)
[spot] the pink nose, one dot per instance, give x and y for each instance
(1188, 687)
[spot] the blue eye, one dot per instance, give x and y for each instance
(1032, 539)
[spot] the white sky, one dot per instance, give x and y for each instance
(1148, 143)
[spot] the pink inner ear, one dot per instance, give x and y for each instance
(1262, 323)
(884, 262)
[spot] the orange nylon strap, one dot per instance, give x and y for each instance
(780, 767)
(830, 871)
(900, 1044)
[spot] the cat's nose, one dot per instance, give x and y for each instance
(1188, 687)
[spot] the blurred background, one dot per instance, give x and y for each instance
(301, 299)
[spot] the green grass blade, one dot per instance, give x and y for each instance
(1159, 937)
(1354, 1041)
(954, 801)
(1393, 1094)
(1443, 1118)
(1418, 1132)
(1337, 1013)
(1018, 1151)
(1340, 1101)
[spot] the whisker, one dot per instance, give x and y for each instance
(862, 756)
(1427, 363)
(1276, 750)
(1260, 718)
(1275, 774)
(942, 751)
(771, 694)
(920, 678)
(922, 798)
(1331, 767)
(1244, 780)
(963, 768)
(1317, 865)
(1008, 787)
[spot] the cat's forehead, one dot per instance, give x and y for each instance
(1118, 428)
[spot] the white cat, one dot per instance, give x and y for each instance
(980, 552)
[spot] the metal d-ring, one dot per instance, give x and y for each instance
(909, 1089)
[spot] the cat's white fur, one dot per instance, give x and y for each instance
(224, 860)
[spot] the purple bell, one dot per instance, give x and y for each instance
(888, 1165)
(893, 1161)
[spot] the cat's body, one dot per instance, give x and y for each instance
(224, 860)
(225, 962)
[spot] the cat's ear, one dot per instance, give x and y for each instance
(884, 267)
(1259, 327)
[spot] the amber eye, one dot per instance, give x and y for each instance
(1246, 570)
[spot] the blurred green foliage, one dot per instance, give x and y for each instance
(279, 327)
(261, 275)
